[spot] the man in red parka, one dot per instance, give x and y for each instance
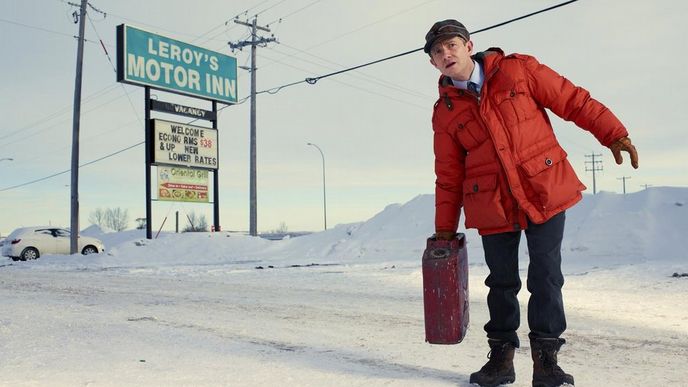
(496, 156)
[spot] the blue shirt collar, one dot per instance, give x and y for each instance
(477, 77)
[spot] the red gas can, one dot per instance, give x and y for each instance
(445, 290)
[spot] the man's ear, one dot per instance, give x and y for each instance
(432, 62)
(469, 45)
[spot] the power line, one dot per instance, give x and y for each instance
(44, 30)
(245, 13)
(378, 21)
(270, 7)
(213, 38)
(28, 136)
(314, 80)
(57, 113)
(422, 107)
(144, 24)
(195, 37)
(359, 75)
(114, 69)
(92, 136)
(69, 170)
(96, 10)
(371, 79)
(281, 19)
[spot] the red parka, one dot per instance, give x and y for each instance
(496, 154)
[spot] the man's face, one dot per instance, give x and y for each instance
(453, 58)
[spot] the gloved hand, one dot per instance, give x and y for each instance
(445, 235)
(624, 144)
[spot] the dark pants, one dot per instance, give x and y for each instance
(546, 317)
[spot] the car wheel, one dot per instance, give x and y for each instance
(29, 253)
(89, 250)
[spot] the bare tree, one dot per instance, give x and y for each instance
(117, 218)
(97, 217)
(113, 218)
(282, 229)
(197, 223)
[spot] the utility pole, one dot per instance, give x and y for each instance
(74, 224)
(254, 43)
(594, 167)
(646, 185)
(623, 178)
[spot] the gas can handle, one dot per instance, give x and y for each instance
(459, 242)
(439, 253)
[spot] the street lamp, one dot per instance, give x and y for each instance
(323, 170)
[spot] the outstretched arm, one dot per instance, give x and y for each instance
(574, 103)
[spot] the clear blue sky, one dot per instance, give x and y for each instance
(373, 125)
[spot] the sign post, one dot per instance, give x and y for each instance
(216, 180)
(149, 162)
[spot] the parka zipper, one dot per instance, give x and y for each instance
(517, 206)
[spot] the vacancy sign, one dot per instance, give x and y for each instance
(147, 59)
(187, 145)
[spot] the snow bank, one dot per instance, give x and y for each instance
(603, 230)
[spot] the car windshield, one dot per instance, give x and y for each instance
(16, 232)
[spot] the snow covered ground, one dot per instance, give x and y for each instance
(341, 307)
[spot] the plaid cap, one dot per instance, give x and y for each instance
(445, 29)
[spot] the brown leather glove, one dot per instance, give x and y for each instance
(624, 144)
(445, 235)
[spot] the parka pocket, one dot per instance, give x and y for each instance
(482, 203)
(515, 103)
(469, 131)
(551, 177)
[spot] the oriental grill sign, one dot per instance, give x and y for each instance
(147, 59)
(181, 184)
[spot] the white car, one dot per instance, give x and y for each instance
(31, 242)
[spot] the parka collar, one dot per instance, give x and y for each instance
(489, 59)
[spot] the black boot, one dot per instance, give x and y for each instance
(500, 368)
(546, 372)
